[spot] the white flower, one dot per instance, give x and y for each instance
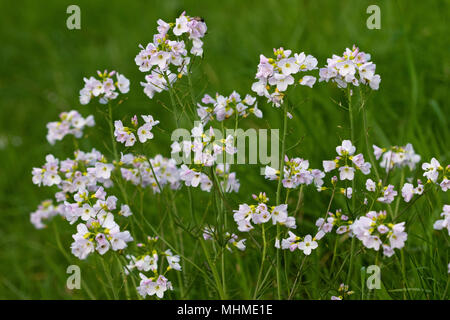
(181, 26)
(281, 81)
(144, 133)
(271, 173)
(407, 191)
(103, 170)
(388, 194)
(123, 83)
(346, 172)
(346, 148)
(307, 245)
(431, 169)
(329, 165)
(377, 151)
(125, 210)
(370, 185)
(173, 260)
(445, 222)
(308, 81)
(279, 213)
(288, 66)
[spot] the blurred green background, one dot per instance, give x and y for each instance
(43, 64)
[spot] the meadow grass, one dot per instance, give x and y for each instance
(43, 64)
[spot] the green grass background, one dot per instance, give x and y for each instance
(43, 63)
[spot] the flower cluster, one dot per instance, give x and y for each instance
(228, 180)
(104, 88)
(208, 146)
(408, 190)
(99, 233)
(167, 58)
(71, 122)
(306, 244)
(47, 175)
(309, 243)
(437, 174)
(387, 193)
(45, 211)
(193, 177)
(276, 74)
(154, 172)
(397, 157)
(222, 108)
(148, 260)
(338, 220)
(262, 213)
(296, 172)
(445, 222)
(373, 231)
(89, 205)
(347, 162)
(126, 134)
(154, 286)
(85, 178)
(354, 67)
(85, 171)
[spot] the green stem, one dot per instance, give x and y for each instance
(172, 100)
(352, 136)
(111, 129)
(352, 250)
(109, 278)
(263, 258)
(278, 196)
(214, 271)
(397, 204)
(281, 164)
(366, 137)
(222, 215)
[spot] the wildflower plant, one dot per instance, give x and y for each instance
(167, 58)
(222, 108)
(276, 74)
(109, 198)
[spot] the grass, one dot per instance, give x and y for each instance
(43, 64)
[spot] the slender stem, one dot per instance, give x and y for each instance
(352, 250)
(191, 91)
(397, 204)
(154, 175)
(352, 136)
(278, 197)
(402, 267)
(179, 236)
(122, 273)
(334, 254)
(281, 164)
(294, 286)
(263, 258)
(214, 271)
(109, 278)
(172, 100)
(366, 137)
(111, 129)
